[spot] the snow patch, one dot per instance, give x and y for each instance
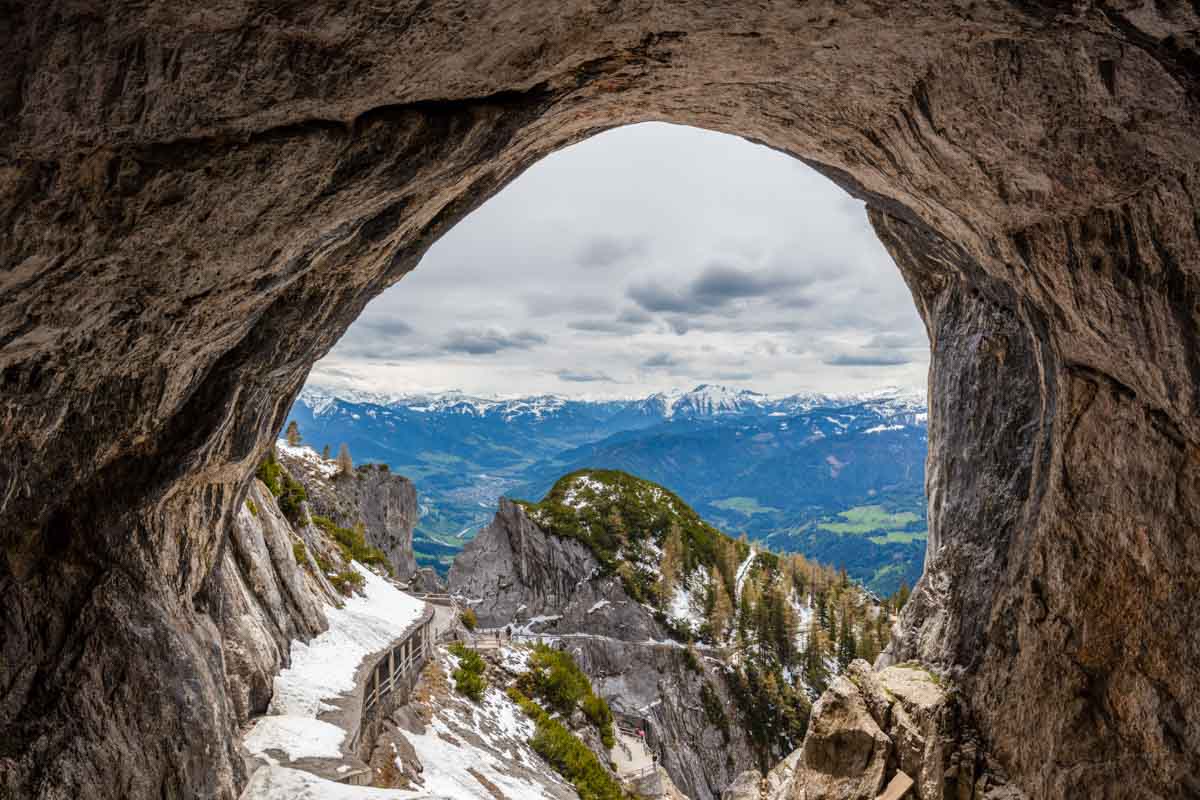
(326, 468)
(324, 668)
(743, 570)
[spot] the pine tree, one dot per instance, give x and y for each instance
(847, 649)
(722, 607)
(325, 452)
(672, 562)
(816, 673)
(747, 605)
(293, 434)
(344, 463)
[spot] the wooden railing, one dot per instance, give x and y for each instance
(437, 598)
(391, 678)
(398, 666)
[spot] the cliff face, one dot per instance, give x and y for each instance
(386, 504)
(514, 572)
(263, 599)
(195, 205)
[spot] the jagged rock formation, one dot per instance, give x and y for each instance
(514, 572)
(195, 205)
(426, 579)
(264, 598)
(870, 728)
(386, 504)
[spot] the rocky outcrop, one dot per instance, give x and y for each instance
(194, 205)
(426, 579)
(264, 598)
(514, 572)
(386, 504)
(891, 729)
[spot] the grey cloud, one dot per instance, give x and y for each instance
(336, 372)
(680, 325)
(601, 326)
(545, 304)
(491, 340)
(715, 287)
(736, 376)
(653, 296)
(866, 359)
(606, 250)
(664, 361)
(897, 340)
(720, 283)
(634, 316)
(384, 325)
(582, 377)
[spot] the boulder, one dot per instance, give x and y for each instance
(899, 724)
(746, 786)
(845, 752)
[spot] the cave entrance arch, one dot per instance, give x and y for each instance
(196, 204)
(643, 259)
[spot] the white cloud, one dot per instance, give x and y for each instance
(647, 257)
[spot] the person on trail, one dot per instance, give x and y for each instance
(508, 632)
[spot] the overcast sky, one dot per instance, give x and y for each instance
(649, 257)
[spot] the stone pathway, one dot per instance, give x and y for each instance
(631, 755)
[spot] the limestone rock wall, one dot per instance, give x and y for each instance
(264, 600)
(874, 730)
(385, 503)
(514, 572)
(196, 202)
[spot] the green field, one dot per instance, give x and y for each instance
(743, 505)
(901, 537)
(867, 519)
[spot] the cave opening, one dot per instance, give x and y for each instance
(183, 240)
(648, 262)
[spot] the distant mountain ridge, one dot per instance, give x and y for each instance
(702, 401)
(784, 469)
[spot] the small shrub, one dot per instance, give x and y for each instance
(353, 543)
(468, 619)
(299, 552)
(323, 564)
(691, 660)
(288, 491)
(569, 756)
(469, 679)
(250, 505)
(597, 710)
(347, 581)
(557, 679)
(714, 710)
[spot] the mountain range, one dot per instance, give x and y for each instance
(838, 478)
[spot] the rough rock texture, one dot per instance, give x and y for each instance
(552, 587)
(385, 503)
(747, 786)
(513, 571)
(263, 599)
(426, 579)
(870, 726)
(654, 682)
(845, 752)
(195, 202)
